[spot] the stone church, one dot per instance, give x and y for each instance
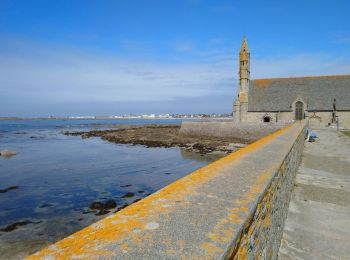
(323, 100)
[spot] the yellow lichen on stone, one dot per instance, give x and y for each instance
(211, 249)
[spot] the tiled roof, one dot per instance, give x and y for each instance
(278, 94)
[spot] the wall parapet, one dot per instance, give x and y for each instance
(247, 132)
(232, 208)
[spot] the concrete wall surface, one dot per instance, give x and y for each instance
(234, 208)
(241, 131)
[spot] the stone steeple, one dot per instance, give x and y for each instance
(241, 104)
(244, 71)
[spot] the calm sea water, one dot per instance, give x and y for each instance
(59, 176)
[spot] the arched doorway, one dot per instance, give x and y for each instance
(299, 110)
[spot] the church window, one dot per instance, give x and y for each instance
(267, 119)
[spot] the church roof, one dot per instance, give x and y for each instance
(278, 94)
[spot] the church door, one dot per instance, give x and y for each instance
(299, 110)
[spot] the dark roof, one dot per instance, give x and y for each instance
(278, 94)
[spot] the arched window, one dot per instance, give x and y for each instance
(299, 110)
(267, 119)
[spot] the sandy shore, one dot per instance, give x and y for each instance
(154, 135)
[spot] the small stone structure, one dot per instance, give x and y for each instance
(234, 208)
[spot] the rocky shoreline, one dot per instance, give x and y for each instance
(67, 184)
(159, 135)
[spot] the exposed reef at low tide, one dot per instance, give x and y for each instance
(156, 135)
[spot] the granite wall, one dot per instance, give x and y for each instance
(246, 132)
(261, 236)
(316, 119)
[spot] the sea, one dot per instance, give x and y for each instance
(46, 190)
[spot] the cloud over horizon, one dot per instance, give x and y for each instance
(33, 74)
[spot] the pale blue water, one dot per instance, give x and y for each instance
(59, 176)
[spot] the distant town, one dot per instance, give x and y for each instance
(125, 116)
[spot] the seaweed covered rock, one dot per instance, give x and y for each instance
(7, 153)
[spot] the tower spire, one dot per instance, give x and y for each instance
(244, 66)
(244, 47)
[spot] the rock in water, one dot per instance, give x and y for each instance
(110, 204)
(128, 195)
(7, 153)
(15, 225)
(8, 189)
(96, 205)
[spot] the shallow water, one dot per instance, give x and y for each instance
(56, 177)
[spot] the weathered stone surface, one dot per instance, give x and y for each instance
(263, 232)
(246, 132)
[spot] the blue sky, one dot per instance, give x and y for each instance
(113, 57)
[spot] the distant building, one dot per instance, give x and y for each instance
(164, 116)
(322, 99)
(81, 117)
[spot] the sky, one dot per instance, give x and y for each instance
(72, 57)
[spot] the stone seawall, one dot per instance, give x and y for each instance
(234, 208)
(261, 236)
(248, 131)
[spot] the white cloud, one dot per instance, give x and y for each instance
(32, 73)
(68, 76)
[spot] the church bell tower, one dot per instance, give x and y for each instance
(241, 104)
